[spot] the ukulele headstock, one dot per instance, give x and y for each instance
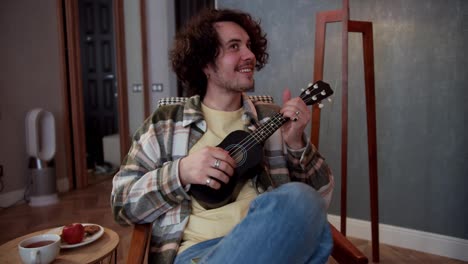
(316, 92)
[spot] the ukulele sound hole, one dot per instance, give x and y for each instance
(238, 153)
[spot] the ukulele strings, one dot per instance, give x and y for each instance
(256, 137)
(251, 140)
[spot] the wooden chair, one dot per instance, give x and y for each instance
(343, 250)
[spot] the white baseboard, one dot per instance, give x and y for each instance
(436, 244)
(10, 198)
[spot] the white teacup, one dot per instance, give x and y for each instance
(40, 249)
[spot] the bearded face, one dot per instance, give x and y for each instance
(233, 69)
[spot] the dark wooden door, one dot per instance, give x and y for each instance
(99, 82)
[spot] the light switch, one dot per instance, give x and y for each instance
(137, 88)
(157, 87)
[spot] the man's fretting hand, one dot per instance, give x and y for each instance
(299, 113)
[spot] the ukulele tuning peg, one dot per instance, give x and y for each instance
(315, 86)
(320, 105)
(329, 99)
(303, 89)
(309, 85)
(314, 98)
(307, 92)
(323, 92)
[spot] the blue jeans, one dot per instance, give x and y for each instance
(286, 225)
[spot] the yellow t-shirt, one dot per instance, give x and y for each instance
(208, 224)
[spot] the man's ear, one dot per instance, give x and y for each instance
(208, 69)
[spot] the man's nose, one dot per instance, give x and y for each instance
(247, 54)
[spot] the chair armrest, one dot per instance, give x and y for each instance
(344, 251)
(139, 243)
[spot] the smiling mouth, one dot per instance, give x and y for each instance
(245, 70)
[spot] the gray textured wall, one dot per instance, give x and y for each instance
(421, 91)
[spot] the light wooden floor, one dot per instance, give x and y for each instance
(91, 205)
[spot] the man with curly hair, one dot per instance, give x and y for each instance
(279, 214)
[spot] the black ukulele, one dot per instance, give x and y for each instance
(247, 150)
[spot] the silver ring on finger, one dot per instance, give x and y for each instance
(217, 163)
(208, 181)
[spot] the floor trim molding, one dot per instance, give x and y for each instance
(9, 198)
(432, 243)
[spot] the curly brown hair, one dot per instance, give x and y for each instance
(198, 44)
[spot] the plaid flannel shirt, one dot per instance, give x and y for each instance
(147, 189)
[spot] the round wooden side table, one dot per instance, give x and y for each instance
(103, 248)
